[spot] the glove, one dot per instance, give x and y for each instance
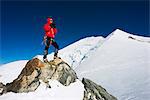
(53, 25)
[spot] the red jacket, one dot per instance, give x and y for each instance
(49, 31)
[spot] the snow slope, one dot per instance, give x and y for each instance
(10, 71)
(121, 65)
(56, 92)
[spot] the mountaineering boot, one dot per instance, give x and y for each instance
(55, 55)
(45, 60)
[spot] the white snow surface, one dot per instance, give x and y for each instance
(118, 63)
(57, 91)
(10, 71)
(121, 65)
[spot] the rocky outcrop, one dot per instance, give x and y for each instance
(95, 92)
(35, 70)
(28, 79)
(59, 70)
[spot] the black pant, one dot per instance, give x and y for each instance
(49, 41)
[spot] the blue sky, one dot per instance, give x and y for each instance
(22, 23)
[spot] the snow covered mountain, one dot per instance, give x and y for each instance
(120, 63)
(74, 54)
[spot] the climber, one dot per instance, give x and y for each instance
(50, 32)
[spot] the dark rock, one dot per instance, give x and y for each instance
(2, 88)
(95, 92)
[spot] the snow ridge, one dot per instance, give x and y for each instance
(118, 61)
